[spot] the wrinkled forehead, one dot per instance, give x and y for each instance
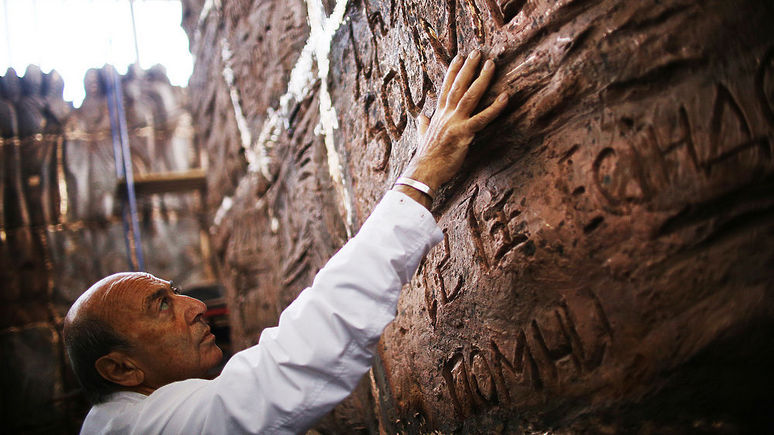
(120, 292)
(128, 287)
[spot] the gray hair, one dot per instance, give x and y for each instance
(86, 340)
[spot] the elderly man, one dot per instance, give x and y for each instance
(140, 349)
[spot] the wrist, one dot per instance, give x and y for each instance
(417, 185)
(424, 176)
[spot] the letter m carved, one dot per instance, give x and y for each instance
(521, 369)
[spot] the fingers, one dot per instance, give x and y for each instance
(483, 118)
(463, 79)
(448, 81)
(422, 123)
(473, 95)
(462, 93)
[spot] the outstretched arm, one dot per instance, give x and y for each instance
(354, 296)
(324, 341)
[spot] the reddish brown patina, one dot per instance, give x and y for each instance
(607, 264)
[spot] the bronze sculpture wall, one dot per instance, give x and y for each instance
(608, 246)
(61, 228)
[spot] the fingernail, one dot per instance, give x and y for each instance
(488, 64)
(457, 59)
(502, 98)
(474, 54)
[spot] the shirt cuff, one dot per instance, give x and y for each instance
(410, 223)
(403, 207)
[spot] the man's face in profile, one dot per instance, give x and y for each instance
(169, 338)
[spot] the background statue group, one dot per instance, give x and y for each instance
(61, 227)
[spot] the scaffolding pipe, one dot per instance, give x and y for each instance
(134, 33)
(119, 161)
(123, 161)
(7, 32)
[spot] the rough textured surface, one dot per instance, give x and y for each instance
(61, 227)
(607, 265)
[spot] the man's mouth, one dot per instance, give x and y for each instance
(208, 335)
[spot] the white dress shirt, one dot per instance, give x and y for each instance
(302, 368)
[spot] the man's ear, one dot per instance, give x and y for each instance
(118, 368)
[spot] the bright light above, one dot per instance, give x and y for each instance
(72, 36)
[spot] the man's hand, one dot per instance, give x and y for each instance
(445, 139)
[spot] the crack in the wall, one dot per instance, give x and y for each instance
(225, 206)
(300, 84)
(208, 5)
(203, 14)
(321, 34)
(256, 154)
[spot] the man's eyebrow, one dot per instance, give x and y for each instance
(153, 297)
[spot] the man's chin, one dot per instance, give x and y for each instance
(214, 353)
(214, 356)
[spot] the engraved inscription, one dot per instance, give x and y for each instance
(555, 347)
(641, 163)
(470, 382)
(612, 170)
(588, 327)
(376, 133)
(448, 289)
(455, 374)
(430, 301)
(444, 51)
(475, 19)
(553, 342)
(395, 129)
(503, 11)
(517, 367)
(440, 290)
(684, 141)
(396, 100)
(359, 71)
(414, 107)
(297, 263)
(498, 220)
(731, 133)
(375, 26)
(497, 226)
(482, 381)
(475, 231)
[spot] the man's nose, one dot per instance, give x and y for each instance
(194, 309)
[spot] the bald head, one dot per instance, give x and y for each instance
(133, 331)
(89, 334)
(99, 301)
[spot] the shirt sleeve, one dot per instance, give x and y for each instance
(322, 346)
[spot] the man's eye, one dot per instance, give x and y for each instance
(164, 304)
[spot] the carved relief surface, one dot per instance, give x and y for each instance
(619, 200)
(607, 246)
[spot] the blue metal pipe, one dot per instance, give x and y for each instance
(123, 159)
(119, 161)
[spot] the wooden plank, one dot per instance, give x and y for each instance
(165, 182)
